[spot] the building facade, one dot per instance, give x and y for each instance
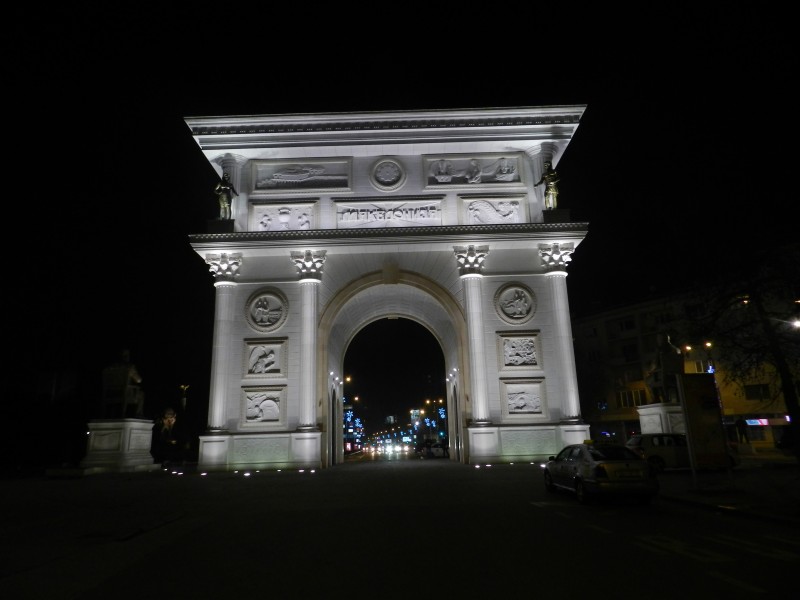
(331, 221)
(618, 352)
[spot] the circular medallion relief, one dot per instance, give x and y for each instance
(515, 303)
(266, 310)
(388, 174)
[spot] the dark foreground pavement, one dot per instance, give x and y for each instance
(170, 535)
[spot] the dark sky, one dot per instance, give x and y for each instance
(679, 164)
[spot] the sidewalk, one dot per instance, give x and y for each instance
(764, 486)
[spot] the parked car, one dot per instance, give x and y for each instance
(600, 469)
(668, 450)
(439, 450)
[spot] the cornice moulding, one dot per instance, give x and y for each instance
(226, 132)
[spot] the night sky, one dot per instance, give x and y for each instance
(679, 164)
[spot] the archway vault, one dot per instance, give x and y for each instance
(373, 297)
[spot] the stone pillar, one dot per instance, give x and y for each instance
(225, 269)
(554, 258)
(470, 263)
(309, 265)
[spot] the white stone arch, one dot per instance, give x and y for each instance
(402, 240)
(367, 300)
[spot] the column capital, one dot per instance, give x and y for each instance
(470, 259)
(229, 161)
(224, 267)
(309, 263)
(555, 257)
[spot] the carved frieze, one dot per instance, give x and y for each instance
(276, 177)
(287, 216)
(492, 210)
(523, 400)
(460, 170)
(401, 212)
(264, 405)
(265, 358)
(519, 351)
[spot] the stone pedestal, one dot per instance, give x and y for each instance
(118, 445)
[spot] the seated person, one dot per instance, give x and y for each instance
(168, 443)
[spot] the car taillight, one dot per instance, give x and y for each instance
(600, 471)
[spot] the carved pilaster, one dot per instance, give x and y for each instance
(224, 267)
(555, 257)
(470, 259)
(309, 264)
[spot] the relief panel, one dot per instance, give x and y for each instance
(265, 358)
(523, 400)
(462, 170)
(277, 177)
(266, 310)
(491, 210)
(264, 406)
(399, 212)
(286, 216)
(519, 351)
(515, 303)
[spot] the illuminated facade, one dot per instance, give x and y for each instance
(341, 219)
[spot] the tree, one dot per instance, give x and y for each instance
(750, 315)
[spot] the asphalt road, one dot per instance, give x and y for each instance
(382, 528)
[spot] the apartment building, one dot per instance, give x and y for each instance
(617, 352)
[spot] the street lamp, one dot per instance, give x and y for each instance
(700, 367)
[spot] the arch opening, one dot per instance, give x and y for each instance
(402, 324)
(395, 390)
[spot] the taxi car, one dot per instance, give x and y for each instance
(591, 470)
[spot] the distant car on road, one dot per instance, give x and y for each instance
(438, 450)
(668, 450)
(600, 469)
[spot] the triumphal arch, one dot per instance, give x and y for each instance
(336, 220)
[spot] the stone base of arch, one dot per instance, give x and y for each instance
(261, 451)
(521, 443)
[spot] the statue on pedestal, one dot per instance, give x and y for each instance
(122, 389)
(225, 192)
(550, 179)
